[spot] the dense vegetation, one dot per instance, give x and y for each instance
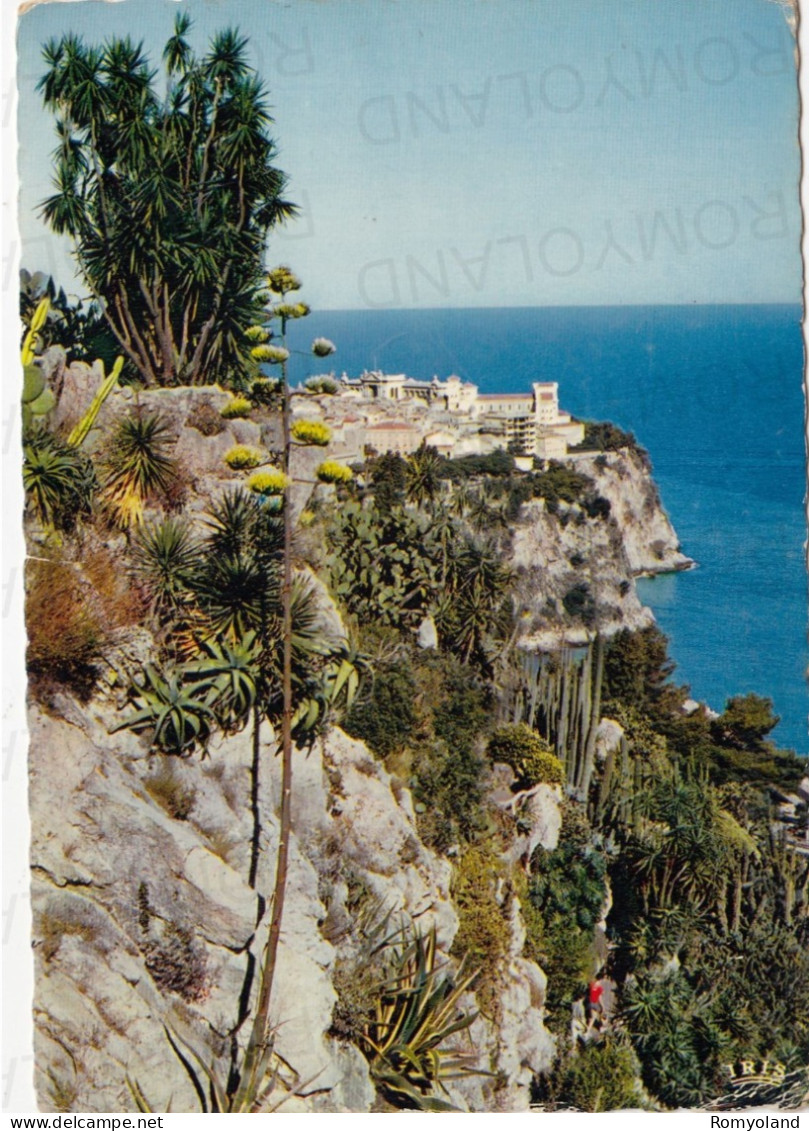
(167, 197)
(671, 874)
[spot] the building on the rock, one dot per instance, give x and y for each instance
(531, 423)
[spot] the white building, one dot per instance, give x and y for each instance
(530, 423)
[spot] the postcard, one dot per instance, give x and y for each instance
(410, 414)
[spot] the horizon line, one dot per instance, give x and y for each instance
(799, 303)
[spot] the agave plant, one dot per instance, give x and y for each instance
(138, 466)
(416, 1012)
(179, 715)
(231, 673)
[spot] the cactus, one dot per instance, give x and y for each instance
(37, 398)
(82, 429)
(40, 315)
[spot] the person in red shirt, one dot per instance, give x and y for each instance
(595, 1004)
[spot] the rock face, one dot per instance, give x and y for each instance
(576, 572)
(142, 912)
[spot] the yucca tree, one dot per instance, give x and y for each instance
(422, 477)
(168, 197)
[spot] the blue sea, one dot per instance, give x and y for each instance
(715, 395)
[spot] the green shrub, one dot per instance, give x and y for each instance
(387, 719)
(313, 432)
(603, 436)
(58, 479)
(447, 787)
(138, 466)
(333, 472)
(237, 407)
(602, 1077)
(242, 457)
(529, 756)
(579, 603)
(566, 894)
(498, 463)
(416, 1009)
(484, 932)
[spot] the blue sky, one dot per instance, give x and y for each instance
(500, 152)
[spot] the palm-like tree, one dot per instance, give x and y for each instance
(168, 198)
(422, 476)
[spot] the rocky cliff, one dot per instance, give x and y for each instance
(576, 572)
(143, 915)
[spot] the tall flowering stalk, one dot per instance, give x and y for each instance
(281, 282)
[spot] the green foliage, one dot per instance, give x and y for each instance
(243, 457)
(603, 436)
(381, 566)
(473, 614)
(416, 1012)
(423, 476)
(560, 483)
(176, 716)
(601, 1077)
(170, 210)
(58, 479)
(637, 669)
(566, 893)
(447, 783)
(164, 557)
(387, 718)
(483, 927)
(138, 466)
(497, 463)
(236, 408)
(580, 604)
(388, 480)
(745, 721)
(230, 673)
(530, 756)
